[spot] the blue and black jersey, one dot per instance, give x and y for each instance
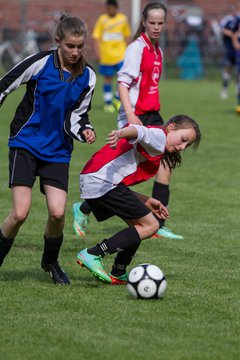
(54, 109)
(229, 22)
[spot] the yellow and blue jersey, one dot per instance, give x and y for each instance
(112, 33)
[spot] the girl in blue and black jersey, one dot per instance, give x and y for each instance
(53, 112)
(236, 44)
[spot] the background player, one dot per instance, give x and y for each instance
(111, 35)
(138, 87)
(229, 25)
(236, 43)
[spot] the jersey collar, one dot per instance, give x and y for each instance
(57, 65)
(150, 45)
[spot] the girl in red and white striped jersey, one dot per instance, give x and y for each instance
(132, 156)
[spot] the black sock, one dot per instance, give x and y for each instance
(51, 249)
(123, 259)
(85, 208)
(5, 246)
(161, 192)
(117, 243)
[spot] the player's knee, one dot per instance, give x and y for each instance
(56, 215)
(152, 227)
(155, 227)
(19, 216)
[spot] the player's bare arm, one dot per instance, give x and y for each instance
(125, 100)
(129, 132)
(154, 205)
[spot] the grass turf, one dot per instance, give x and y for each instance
(199, 316)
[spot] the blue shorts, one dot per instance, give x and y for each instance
(110, 70)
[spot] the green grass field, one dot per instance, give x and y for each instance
(199, 316)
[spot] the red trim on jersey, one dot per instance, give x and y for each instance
(145, 170)
(124, 84)
(105, 155)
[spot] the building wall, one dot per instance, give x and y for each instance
(36, 13)
(17, 16)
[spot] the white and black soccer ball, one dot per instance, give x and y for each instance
(146, 281)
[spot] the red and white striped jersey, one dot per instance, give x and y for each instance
(140, 73)
(132, 162)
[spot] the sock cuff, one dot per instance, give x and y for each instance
(52, 244)
(120, 241)
(51, 249)
(85, 208)
(133, 235)
(119, 266)
(58, 239)
(5, 239)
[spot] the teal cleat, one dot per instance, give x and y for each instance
(164, 232)
(118, 280)
(80, 220)
(94, 264)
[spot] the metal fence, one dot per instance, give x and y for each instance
(192, 44)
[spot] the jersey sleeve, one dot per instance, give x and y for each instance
(153, 140)
(130, 70)
(22, 73)
(229, 23)
(97, 31)
(77, 119)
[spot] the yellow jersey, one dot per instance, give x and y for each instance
(112, 33)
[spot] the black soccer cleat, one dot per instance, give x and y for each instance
(58, 275)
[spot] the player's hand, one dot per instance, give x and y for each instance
(112, 139)
(157, 208)
(89, 135)
(133, 119)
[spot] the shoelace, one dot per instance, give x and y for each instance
(166, 229)
(84, 220)
(99, 258)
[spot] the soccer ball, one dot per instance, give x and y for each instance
(146, 281)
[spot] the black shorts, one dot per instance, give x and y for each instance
(151, 118)
(24, 167)
(121, 201)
